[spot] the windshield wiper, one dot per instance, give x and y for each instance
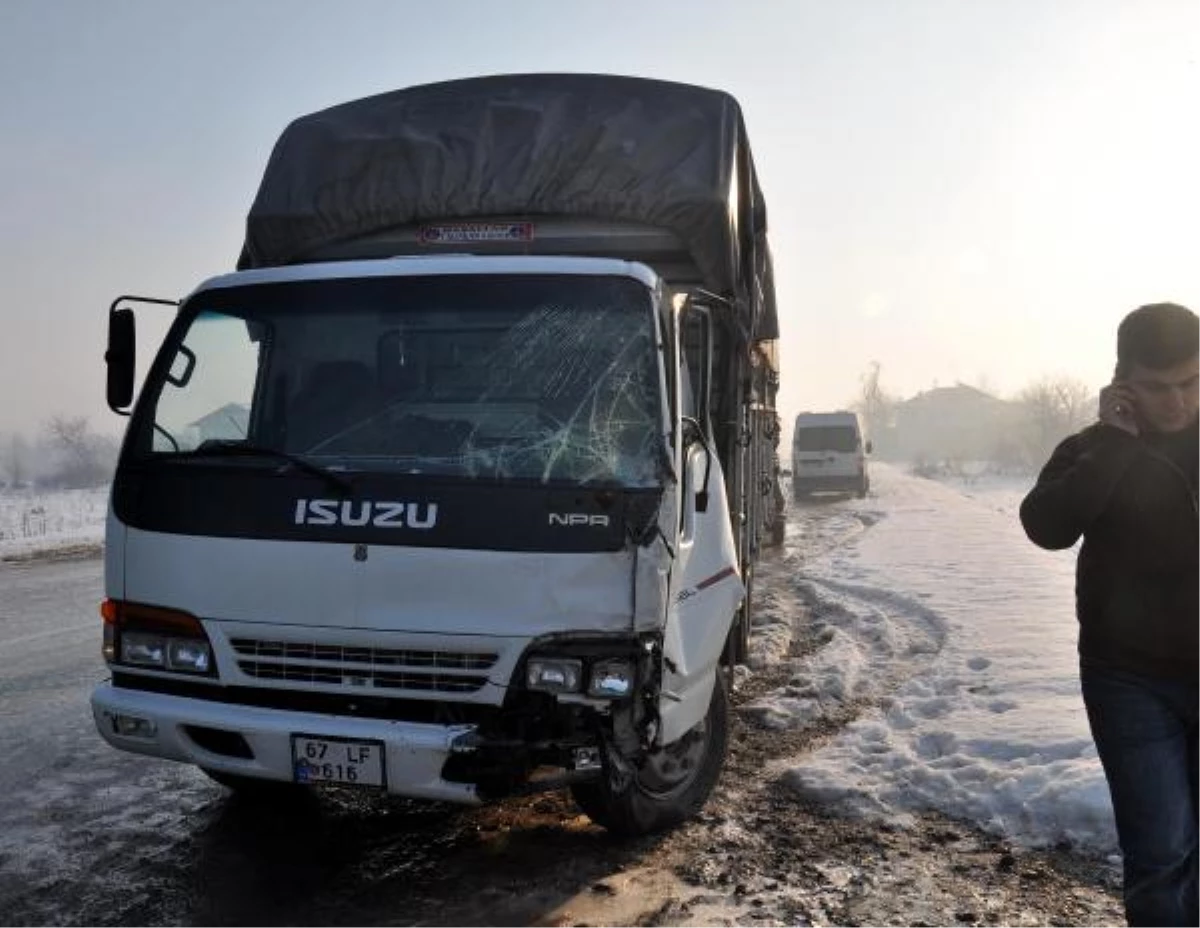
(232, 448)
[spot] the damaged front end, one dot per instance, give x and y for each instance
(582, 708)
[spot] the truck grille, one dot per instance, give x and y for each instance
(371, 668)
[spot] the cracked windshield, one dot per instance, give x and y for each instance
(547, 379)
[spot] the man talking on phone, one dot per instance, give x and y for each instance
(1127, 485)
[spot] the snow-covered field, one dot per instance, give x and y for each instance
(958, 636)
(33, 522)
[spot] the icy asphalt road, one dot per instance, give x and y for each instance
(49, 659)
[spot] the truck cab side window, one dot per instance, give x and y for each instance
(213, 401)
(697, 366)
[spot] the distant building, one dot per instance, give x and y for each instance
(952, 423)
(230, 421)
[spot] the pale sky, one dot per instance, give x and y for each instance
(958, 189)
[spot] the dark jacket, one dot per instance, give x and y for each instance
(1134, 502)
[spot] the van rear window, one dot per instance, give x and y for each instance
(840, 438)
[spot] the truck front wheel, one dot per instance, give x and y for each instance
(671, 785)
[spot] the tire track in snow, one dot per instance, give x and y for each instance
(847, 645)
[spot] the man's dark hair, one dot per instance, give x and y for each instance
(1157, 335)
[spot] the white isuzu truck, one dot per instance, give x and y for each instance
(455, 488)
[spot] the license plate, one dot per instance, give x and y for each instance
(337, 760)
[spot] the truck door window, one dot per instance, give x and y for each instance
(209, 388)
(697, 363)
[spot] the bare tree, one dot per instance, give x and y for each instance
(80, 453)
(16, 460)
(1051, 409)
(874, 404)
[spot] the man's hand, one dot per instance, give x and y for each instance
(1117, 407)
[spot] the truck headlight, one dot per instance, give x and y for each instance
(143, 648)
(147, 649)
(553, 674)
(611, 679)
(183, 654)
(150, 636)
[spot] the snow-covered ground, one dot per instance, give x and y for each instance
(33, 522)
(958, 636)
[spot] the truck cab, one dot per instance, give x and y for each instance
(456, 509)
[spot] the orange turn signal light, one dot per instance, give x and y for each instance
(150, 618)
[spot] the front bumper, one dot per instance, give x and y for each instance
(415, 752)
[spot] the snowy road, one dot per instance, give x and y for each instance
(74, 815)
(49, 659)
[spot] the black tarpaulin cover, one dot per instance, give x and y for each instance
(669, 155)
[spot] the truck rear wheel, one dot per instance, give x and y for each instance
(778, 529)
(672, 784)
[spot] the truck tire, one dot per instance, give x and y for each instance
(864, 488)
(776, 522)
(778, 529)
(672, 784)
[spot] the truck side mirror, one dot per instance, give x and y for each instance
(870, 447)
(120, 358)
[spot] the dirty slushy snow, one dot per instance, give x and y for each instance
(959, 634)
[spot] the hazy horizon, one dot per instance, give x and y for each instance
(960, 190)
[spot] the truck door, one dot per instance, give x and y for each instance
(706, 585)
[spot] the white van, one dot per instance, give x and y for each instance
(829, 454)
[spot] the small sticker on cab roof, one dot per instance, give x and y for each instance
(456, 233)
